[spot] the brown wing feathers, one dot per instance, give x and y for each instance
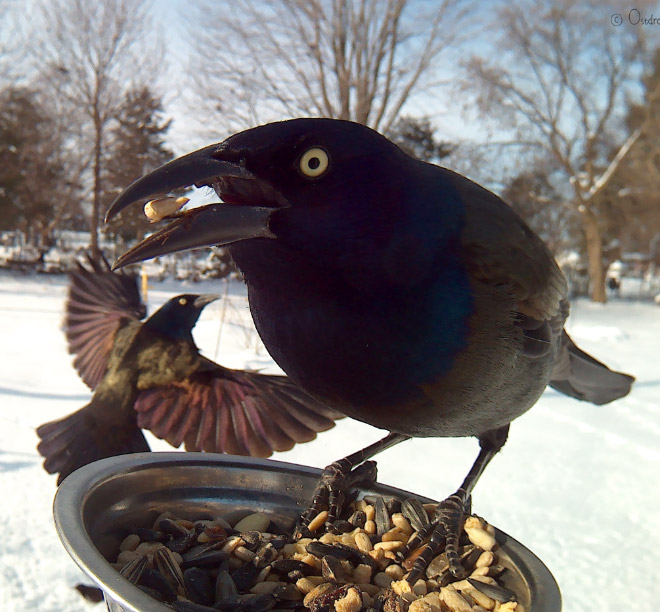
(235, 412)
(99, 300)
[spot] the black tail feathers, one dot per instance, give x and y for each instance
(581, 376)
(81, 438)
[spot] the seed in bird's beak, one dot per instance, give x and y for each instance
(156, 210)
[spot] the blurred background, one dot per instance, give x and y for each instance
(553, 105)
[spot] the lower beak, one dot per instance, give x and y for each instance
(214, 224)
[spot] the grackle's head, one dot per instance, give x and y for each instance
(307, 183)
(178, 316)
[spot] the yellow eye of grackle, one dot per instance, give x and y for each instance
(183, 301)
(314, 162)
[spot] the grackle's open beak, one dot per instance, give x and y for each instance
(244, 214)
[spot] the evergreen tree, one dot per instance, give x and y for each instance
(137, 147)
(416, 137)
(534, 197)
(36, 191)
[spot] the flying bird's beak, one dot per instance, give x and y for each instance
(247, 216)
(204, 300)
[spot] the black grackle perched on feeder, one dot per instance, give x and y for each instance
(394, 291)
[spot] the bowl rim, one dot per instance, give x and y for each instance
(70, 498)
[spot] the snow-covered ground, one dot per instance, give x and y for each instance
(576, 483)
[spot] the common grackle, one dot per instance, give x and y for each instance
(150, 375)
(395, 291)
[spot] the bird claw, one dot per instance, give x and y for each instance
(443, 533)
(330, 494)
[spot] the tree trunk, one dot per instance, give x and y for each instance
(96, 201)
(595, 267)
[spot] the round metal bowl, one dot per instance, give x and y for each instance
(101, 503)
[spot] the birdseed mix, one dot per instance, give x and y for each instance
(243, 566)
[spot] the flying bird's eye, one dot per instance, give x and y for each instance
(314, 162)
(183, 301)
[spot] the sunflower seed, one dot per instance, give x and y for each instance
(332, 570)
(149, 535)
(132, 571)
(266, 554)
(251, 539)
(258, 603)
(199, 587)
(496, 570)
(357, 519)
(339, 551)
(287, 592)
(382, 518)
(414, 511)
(225, 587)
(153, 593)
(182, 544)
(245, 576)
(286, 566)
(227, 604)
(167, 525)
(153, 579)
(168, 567)
(496, 592)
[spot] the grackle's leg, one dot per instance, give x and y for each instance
(339, 477)
(448, 519)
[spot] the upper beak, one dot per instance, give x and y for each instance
(214, 224)
(205, 299)
(198, 168)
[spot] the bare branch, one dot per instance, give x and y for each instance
(562, 77)
(352, 59)
(604, 178)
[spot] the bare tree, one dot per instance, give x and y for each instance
(89, 54)
(4, 64)
(10, 45)
(349, 59)
(632, 193)
(559, 79)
